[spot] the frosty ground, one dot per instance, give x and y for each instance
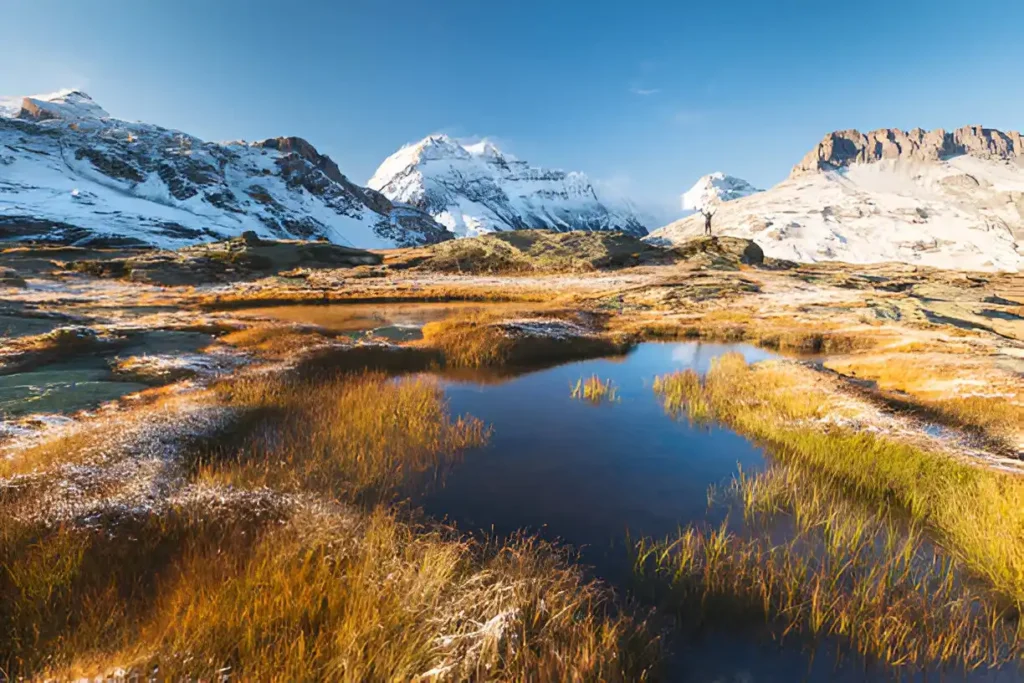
(922, 358)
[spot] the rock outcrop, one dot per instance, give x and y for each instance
(535, 251)
(720, 253)
(238, 258)
(845, 147)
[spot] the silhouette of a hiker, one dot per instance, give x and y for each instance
(707, 221)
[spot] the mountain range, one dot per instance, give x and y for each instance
(945, 199)
(72, 173)
(476, 189)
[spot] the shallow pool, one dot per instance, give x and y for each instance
(595, 475)
(589, 474)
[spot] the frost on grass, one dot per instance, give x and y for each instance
(166, 367)
(551, 328)
(126, 459)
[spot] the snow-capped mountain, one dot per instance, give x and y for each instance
(715, 188)
(71, 172)
(475, 189)
(944, 199)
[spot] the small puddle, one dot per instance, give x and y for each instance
(397, 322)
(67, 386)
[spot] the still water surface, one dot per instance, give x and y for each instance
(589, 474)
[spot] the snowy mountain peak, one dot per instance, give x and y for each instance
(715, 188)
(67, 104)
(476, 188)
(75, 174)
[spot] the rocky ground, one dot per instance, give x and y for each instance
(969, 324)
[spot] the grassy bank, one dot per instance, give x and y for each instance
(969, 393)
(847, 574)
(358, 437)
(503, 341)
(975, 512)
(280, 559)
(739, 325)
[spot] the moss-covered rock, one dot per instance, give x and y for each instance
(523, 251)
(237, 258)
(720, 252)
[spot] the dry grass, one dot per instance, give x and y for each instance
(305, 596)
(739, 325)
(595, 390)
(359, 438)
(387, 603)
(276, 341)
(964, 392)
(484, 340)
(367, 291)
(265, 578)
(845, 573)
(976, 512)
(70, 590)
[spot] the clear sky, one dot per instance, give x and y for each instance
(643, 96)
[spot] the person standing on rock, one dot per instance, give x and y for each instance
(707, 221)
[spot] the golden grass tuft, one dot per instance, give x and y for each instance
(358, 437)
(275, 340)
(595, 390)
(976, 512)
(383, 602)
(310, 595)
(481, 340)
(845, 572)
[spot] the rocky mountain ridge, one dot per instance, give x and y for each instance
(949, 200)
(73, 173)
(842, 148)
(477, 189)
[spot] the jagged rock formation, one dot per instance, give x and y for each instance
(477, 189)
(69, 172)
(950, 200)
(845, 147)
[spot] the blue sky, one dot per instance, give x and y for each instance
(643, 96)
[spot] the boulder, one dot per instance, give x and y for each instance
(720, 252)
